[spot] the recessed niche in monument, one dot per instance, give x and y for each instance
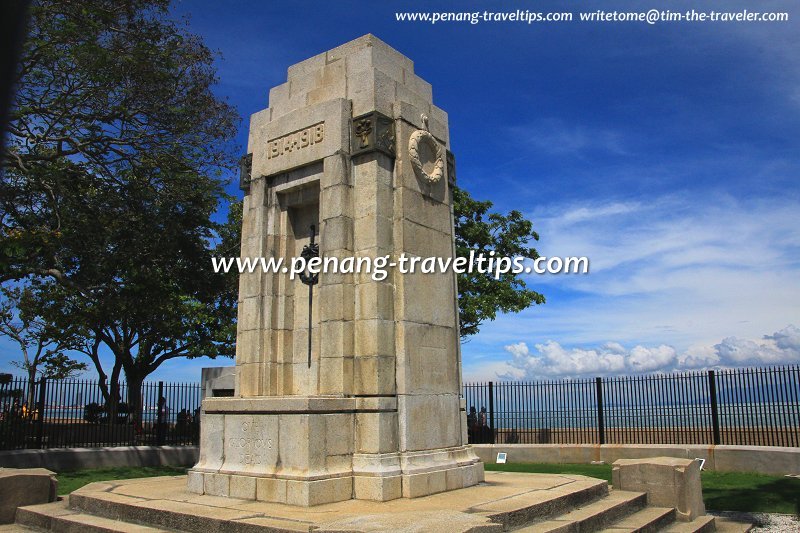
(302, 214)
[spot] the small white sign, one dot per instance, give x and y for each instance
(501, 458)
(701, 461)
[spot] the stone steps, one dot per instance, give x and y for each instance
(649, 519)
(180, 516)
(702, 524)
(57, 516)
(594, 516)
(620, 512)
(528, 508)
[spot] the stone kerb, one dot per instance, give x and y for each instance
(24, 486)
(668, 482)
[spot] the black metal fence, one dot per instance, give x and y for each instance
(751, 406)
(755, 406)
(75, 413)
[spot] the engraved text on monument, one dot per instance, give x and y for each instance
(297, 140)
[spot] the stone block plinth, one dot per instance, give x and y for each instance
(668, 482)
(303, 451)
(24, 486)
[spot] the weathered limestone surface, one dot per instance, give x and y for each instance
(24, 486)
(352, 144)
(668, 482)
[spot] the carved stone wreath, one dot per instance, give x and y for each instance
(419, 138)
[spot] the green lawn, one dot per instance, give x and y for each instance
(722, 491)
(69, 481)
(598, 471)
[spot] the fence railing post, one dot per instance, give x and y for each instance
(491, 411)
(160, 422)
(40, 411)
(601, 425)
(712, 393)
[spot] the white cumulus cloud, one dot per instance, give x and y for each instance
(779, 348)
(786, 339)
(551, 359)
(643, 359)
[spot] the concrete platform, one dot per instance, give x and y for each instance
(506, 501)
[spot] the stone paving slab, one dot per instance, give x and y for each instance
(555, 491)
(471, 509)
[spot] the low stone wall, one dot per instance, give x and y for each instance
(66, 459)
(764, 459)
(774, 460)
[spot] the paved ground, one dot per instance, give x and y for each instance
(504, 495)
(504, 491)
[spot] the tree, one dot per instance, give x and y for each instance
(107, 91)
(145, 252)
(116, 145)
(40, 342)
(481, 296)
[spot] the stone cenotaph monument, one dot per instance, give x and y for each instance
(346, 386)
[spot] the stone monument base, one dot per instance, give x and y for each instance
(309, 451)
(505, 502)
(304, 492)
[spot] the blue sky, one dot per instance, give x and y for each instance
(667, 154)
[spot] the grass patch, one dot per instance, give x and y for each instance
(69, 481)
(722, 491)
(739, 491)
(597, 471)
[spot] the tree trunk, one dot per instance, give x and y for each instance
(135, 381)
(112, 405)
(112, 395)
(101, 375)
(31, 401)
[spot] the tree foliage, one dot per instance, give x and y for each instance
(108, 91)
(116, 146)
(482, 296)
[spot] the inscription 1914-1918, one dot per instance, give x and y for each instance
(297, 140)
